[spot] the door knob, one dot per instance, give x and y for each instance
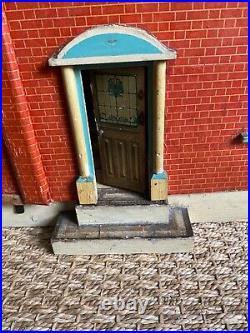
(100, 132)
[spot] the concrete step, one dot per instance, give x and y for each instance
(175, 236)
(129, 214)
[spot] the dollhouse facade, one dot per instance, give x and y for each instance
(172, 74)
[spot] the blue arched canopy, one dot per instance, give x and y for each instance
(109, 44)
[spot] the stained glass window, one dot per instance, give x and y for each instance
(116, 99)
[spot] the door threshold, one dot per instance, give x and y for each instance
(109, 195)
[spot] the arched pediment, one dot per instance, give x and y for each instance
(110, 44)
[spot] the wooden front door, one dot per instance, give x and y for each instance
(119, 107)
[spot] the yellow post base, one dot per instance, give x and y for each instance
(87, 192)
(159, 189)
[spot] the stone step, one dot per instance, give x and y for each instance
(173, 237)
(108, 195)
(129, 214)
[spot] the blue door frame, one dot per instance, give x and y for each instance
(149, 111)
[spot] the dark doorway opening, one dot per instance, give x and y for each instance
(93, 129)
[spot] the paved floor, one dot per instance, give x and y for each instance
(203, 290)
(202, 207)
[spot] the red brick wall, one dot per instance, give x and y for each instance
(206, 85)
(9, 185)
(18, 132)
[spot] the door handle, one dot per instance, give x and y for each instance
(100, 132)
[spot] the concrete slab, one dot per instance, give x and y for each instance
(125, 246)
(34, 215)
(134, 214)
(213, 207)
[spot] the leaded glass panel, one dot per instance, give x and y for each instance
(116, 99)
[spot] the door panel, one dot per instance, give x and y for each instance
(119, 104)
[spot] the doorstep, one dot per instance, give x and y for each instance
(172, 236)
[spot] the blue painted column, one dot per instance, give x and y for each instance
(86, 183)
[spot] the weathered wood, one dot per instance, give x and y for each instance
(152, 230)
(122, 145)
(176, 225)
(68, 228)
(112, 195)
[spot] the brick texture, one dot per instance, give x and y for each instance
(206, 96)
(18, 133)
(9, 185)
